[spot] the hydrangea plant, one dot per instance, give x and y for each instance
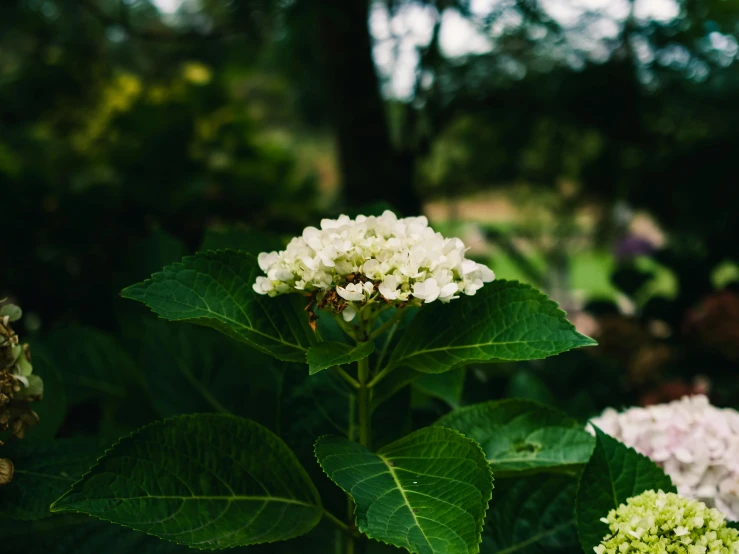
(348, 315)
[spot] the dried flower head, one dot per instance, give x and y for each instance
(659, 522)
(18, 386)
(372, 259)
(695, 443)
(6, 471)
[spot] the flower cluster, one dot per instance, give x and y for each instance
(659, 522)
(695, 443)
(373, 258)
(19, 387)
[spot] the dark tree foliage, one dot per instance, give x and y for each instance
(116, 119)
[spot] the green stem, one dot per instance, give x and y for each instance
(365, 427)
(336, 521)
(379, 377)
(346, 377)
(349, 541)
(347, 328)
(397, 316)
(385, 346)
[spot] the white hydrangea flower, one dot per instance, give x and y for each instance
(367, 259)
(695, 443)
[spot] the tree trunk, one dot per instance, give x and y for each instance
(372, 170)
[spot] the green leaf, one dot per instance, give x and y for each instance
(214, 289)
(505, 320)
(522, 436)
(329, 329)
(427, 492)
(52, 408)
(532, 515)
(444, 386)
(315, 405)
(190, 369)
(527, 384)
(396, 380)
(78, 534)
(92, 364)
(209, 481)
(43, 471)
(328, 354)
(614, 474)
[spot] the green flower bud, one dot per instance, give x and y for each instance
(662, 523)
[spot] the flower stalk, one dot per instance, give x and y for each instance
(363, 398)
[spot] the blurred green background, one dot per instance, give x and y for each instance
(588, 147)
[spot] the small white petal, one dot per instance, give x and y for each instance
(428, 290)
(351, 293)
(262, 285)
(21, 378)
(448, 291)
(349, 313)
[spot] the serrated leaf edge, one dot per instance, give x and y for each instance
(589, 341)
(533, 403)
(178, 266)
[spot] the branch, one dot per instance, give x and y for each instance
(154, 35)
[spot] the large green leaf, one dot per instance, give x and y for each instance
(392, 383)
(614, 474)
(444, 386)
(79, 534)
(523, 436)
(328, 354)
(209, 481)
(191, 369)
(532, 515)
(427, 492)
(215, 289)
(527, 384)
(43, 471)
(91, 364)
(505, 320)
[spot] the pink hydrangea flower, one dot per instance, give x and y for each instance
(697, 445)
